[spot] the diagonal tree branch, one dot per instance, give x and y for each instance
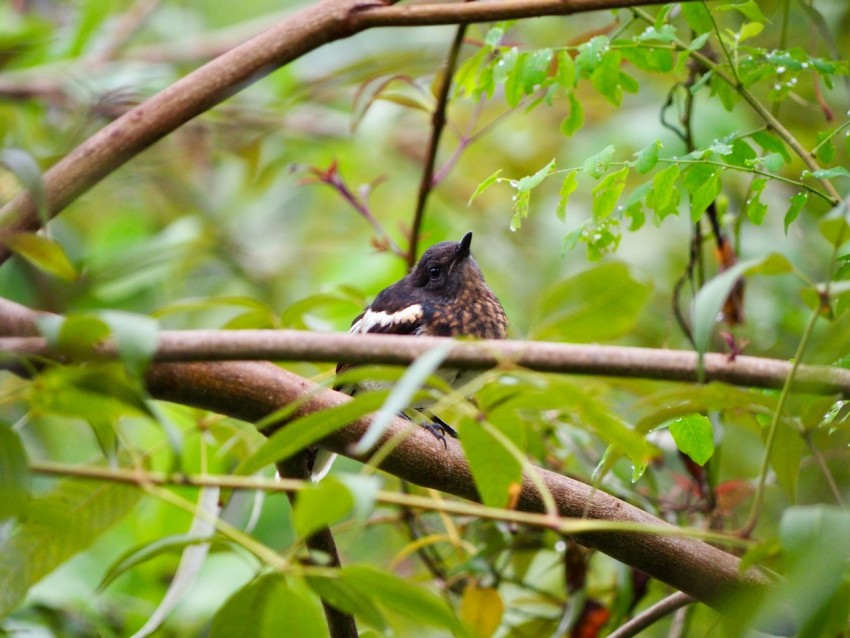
(323, 22)
(251, 391)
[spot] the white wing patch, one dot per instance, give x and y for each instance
(371, 319)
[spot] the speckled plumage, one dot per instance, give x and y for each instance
(445, 295)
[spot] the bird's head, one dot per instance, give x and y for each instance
(447, 268)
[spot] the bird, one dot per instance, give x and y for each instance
(444, 295)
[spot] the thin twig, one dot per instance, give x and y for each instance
(438, 123)
(650, 616)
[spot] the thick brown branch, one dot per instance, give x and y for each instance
(251, 391)
(304, 31)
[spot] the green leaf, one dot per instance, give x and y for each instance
(530, 181)
(59, 525)
(770, 142)
(663, 198)
(597, 165)
(699, 42)
(14, 475)
(136, 336)
(349, 599)
(828, 173)
(566, 73)
(647, 158)
(694, 436)
(575, 120)
(785, 456)
(143, 553)
(606, 77)
(520, 209)
(755, 209)
(494, 36)
(268, 607)
(569, 185)
(706, 193)
(697, 16)
(487, 183)
(400, 396)
(600, 304)
(24, 167)
(798, 202)
(711, 297)
(481, 608)
(410, 601)
(44, 254)
(749, 9)
(303, 432)
(320, 505)
(815, 551)
(834, 225)
(607, 192)
(495, 469)
(535, 69)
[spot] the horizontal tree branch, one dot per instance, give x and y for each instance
(303, 31)
(295, 345)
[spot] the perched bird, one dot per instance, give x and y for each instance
(445, 295)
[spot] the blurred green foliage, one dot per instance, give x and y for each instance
(581, 151)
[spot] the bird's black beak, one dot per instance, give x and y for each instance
(463, 247)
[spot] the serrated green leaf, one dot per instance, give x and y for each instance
(597, 165)
(755, 209)
(575, 120)
(694, 436)
(663, 197)
(520, 208)
(320, 505)
(566, 73)
(535, 69)
(798, 202)
(607, 192)
(409, 600)
(487, 183)
(44, 254)
(530, 181)
(59, 525)
(704, 195)
(770, 142)
(495, 469)
(268, 607)
(14, 476)
(647, 157)
(606, 76)
(569, 185)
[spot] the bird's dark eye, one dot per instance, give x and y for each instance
(434, 272)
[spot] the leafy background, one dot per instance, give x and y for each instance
(230, 223)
